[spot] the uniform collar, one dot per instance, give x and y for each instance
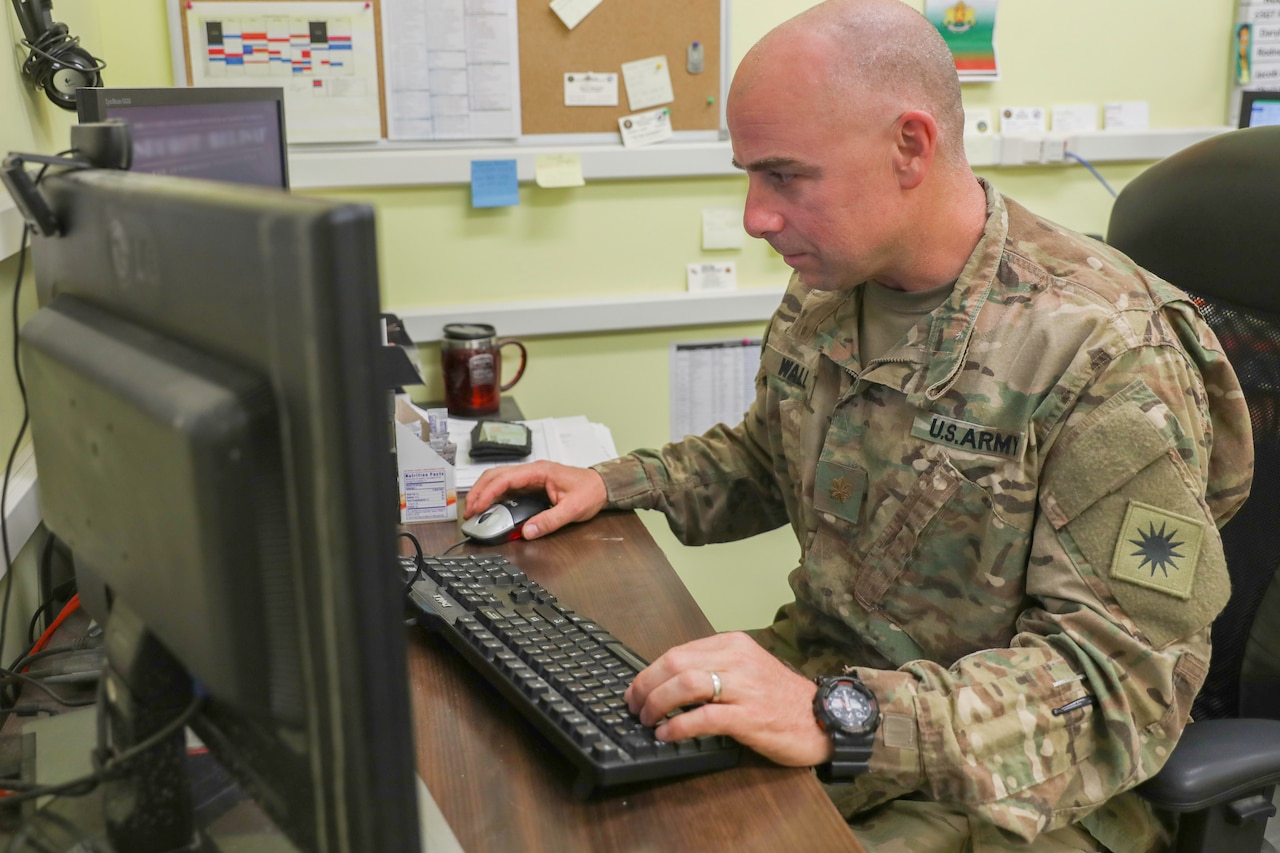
(933, 356)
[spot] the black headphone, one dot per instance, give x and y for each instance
(56, 63)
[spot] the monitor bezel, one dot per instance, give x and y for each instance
(1247, 99)
(93, 104)
(124, 236)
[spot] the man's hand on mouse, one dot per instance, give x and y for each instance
(577, 494)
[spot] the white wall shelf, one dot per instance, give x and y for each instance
(400, 164)
(597, 314)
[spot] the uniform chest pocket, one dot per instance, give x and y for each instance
(946, 568)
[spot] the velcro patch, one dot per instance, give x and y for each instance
(839, 489)
(1158, 549)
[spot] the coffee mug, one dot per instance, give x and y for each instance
(471, 360)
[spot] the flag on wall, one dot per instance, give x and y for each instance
(969, 29)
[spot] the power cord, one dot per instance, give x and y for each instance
(17, 442)
(104, 766)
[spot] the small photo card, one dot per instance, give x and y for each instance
(706, 278)
(588, 89)
(641, 129)
(977, 122)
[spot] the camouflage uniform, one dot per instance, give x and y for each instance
(1014, 512)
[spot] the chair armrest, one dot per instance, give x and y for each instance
(1216, 761)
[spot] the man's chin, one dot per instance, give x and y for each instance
(814, 281)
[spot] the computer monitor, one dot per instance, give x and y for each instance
(232, 134)
(210, 427)
(1258, 109)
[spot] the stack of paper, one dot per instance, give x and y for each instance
(571, 441)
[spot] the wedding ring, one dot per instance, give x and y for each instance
(715, 687)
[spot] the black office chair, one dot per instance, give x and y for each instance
(1207, 219)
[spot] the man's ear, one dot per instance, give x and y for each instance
(916, 141)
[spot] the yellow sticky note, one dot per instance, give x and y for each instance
(558, 170)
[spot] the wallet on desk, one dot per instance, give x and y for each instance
(498, 440)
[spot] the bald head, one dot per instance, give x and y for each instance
(873, 59)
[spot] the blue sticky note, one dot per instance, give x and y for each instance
(494, 184)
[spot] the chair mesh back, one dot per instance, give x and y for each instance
(1252, 537)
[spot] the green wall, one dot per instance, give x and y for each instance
(620, 237)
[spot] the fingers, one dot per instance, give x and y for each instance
(576, 494)
(496, 482)
(763, 704)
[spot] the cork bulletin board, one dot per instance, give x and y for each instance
(613, 33)
(618, 31)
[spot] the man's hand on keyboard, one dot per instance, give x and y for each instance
(763, 704)
(578, 494)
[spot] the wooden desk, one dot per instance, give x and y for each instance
(501, 788)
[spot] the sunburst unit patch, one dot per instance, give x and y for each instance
(1158, 549)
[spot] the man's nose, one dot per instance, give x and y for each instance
(759, 217)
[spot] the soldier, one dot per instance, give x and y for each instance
(1005, 451)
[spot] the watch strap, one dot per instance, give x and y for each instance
(851, 758)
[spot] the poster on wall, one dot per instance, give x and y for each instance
(969, 29)
(323, 53)
(1255, 52)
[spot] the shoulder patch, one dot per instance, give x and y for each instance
(1158, 549)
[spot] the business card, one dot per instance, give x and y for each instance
(646, 128)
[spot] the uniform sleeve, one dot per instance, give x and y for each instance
(716, 487)
(1125, 575)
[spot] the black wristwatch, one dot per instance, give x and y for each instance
(847, 711)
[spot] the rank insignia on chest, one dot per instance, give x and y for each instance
(963, 435)
(838, 489)
(841, 490)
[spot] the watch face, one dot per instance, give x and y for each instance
(851, 707)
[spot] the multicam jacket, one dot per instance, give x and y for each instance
(1008, 524)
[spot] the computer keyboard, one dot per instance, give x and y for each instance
(563, 672)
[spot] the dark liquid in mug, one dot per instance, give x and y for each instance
(471, 381)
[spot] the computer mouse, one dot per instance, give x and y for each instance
(502, 521)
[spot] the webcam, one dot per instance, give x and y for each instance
(56, 62)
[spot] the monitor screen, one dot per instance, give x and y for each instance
(213, 441)
(222, 134)
(1259, 109)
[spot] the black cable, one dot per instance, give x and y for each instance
(417, 560)
(109, 766)
(22, 430)
(7, 675)
(17, 442)
(44, 569)
(457, 544)
(78, 646)
(58, 594)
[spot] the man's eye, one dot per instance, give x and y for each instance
(780, 177)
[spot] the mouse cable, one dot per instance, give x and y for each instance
(457, 544)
